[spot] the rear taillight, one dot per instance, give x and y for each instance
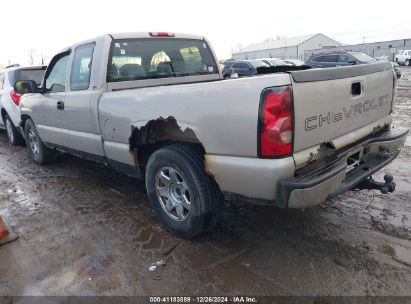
(276, 122)
(15, 97)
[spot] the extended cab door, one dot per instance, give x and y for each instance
(48, 109)
(81, 104)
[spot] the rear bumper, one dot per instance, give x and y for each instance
(322, 182)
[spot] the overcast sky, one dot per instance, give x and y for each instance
(49, 25)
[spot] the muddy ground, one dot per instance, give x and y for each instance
(87, 230)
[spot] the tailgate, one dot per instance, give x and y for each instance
(329, 103)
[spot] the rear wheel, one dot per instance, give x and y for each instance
(408, 62)
(182, 194)
(12, 133)
(38, 152)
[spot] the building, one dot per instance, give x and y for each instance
(289, 48)
(374, 49)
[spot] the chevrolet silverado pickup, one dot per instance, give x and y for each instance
(156, 107)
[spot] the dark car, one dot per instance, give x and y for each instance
(328, 60)
(243, 68)
(397, 70)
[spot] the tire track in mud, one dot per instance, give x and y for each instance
(127, 216)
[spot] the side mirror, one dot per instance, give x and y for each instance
(25, 87)
(351, 62)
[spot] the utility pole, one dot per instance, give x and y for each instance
(31, 56)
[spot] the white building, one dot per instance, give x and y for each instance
(289, 48)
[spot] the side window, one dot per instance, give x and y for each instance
(56, 79)
(331, 58)
(81, 69)
(241, 65)
(344, 58)
(326, 58)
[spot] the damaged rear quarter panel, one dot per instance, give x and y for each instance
(222, 114)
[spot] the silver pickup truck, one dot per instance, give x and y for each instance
(155, 106)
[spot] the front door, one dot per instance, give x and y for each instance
(50, 111)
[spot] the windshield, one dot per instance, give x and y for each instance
(277, 62)
(363, 57)
(258, 63)
(133, 59)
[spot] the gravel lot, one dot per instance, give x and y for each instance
(87, 230)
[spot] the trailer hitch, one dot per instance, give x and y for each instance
(384, 187)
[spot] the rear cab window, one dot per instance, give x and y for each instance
(148, 58)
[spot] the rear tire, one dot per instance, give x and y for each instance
(184, 197)
(37, 151)
(13, 134)
(408, 62)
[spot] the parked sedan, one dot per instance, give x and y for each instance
(243, 68)
(340, 58)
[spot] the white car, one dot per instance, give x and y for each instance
(295, 62)
(10, 100)
(273, 61)
(403, 57)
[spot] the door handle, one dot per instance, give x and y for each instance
(60, 105)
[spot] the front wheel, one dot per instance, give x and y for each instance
(184, 197)
(38, 152)
(12, 132)
(408, 62)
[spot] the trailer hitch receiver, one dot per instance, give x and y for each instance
(387, 186)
